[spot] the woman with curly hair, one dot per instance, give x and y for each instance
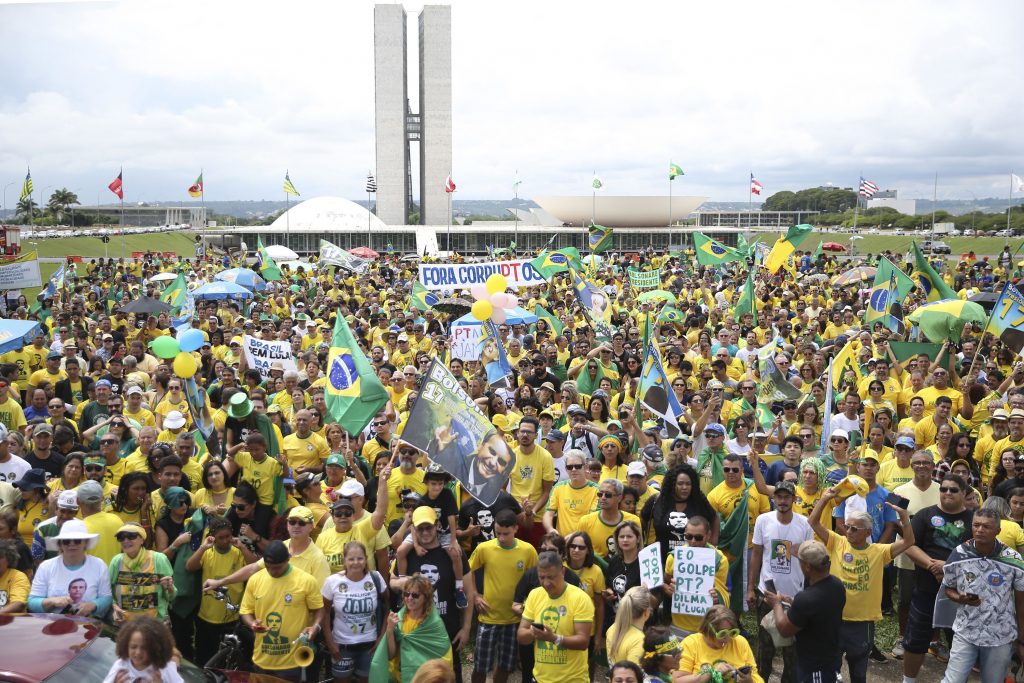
(131, 503)
(680, 499)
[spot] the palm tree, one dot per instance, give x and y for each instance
(60, 201)
(27, 208)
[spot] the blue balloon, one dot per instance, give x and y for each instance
(191, 340)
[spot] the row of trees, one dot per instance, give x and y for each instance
(56, 212)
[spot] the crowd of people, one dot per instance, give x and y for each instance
(893, 487)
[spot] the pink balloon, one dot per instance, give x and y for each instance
(480, 292)
(503, 300)
(498, 316)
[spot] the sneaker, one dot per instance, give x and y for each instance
(938, 650)
(897, 650)
(460, 599)
(876, 655)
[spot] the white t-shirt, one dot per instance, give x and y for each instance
(840, 421)
(84, 584)
(780, 543)
(355, 607)
(14, 469)
(168, 674)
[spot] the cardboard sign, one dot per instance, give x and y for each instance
(694, 579)
(260, 354)
(651, 574)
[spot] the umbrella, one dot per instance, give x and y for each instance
(832, 246)
(146, 305)
(818, 277)
(221, 290)
(945, 320)
(657, 295)
(364, 252)
(279, 253)
(856, 276)
(294, 265)
(243, 277)
(164, 277)
(513, 316)
(453, 306)
(17, 333)
(986, 300)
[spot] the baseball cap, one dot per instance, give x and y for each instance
(90, 492)
(575, 410)
(42, 428)
(306, 479)
(68, 500)
(53, 355)
(133, 389)
(636, 469)
(652, 452)
(276, 552)
(759, 434)
(554, 435)
(783, 486)
(869, 454)
(301, 512)
(424, 515)
(335, 459)
(343, 503)
(907, 441)
(351, 487)
(103, 383)
(715, 428)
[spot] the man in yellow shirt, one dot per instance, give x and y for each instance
(11, 414)
(51, 373)
(726, 497)
(304, 449)
(532, 477)
(572, 499)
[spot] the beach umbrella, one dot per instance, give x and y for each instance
(243, 277)
(513, 316)
(17, 333)
(832, 246)
(221, 290)
(856, 276)
(164, 277)
(818, 277)
(657, 295)
(280, 253)
(364, 252)
(945, 320)
(986, 300)
(453, 306)
(146, 305)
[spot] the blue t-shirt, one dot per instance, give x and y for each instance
(776, 470)
(880, 513)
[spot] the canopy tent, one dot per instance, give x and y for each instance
(221, 290)
(281, 253)
(17, 333)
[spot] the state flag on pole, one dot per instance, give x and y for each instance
(449, 185)
(196, 189)
(116, 187)
(26, 187)
(674, 170)
(755, 187)
(289, 187)
(867, 188)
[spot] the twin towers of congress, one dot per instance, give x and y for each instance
(397, 126)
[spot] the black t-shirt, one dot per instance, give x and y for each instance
(116, 383)
(260, 523)
(818, 612)
(1004, 488)
(436, 565)
(445, 507)
(475, 512)
(937, 533)
(52, 464)
(669, 528)
(620, 577)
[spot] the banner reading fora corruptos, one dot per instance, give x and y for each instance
(260, 354)
(644, 280)
(453, 276)
(447, 425)
(20, 272)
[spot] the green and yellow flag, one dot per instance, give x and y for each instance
(289, 187)
(422, 298)
(266, 265)
(553, 322)
(713, 253)
(174, 295)
(745, 304)
(674, 171)
(26, 187)
(353, 393)
(552, 262)
(600, 238)
(846, 362)
(785, 246)
(930, 282)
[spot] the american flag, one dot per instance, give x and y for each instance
(755, 187)
(371, 183)
(867, 188)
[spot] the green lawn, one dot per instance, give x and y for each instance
(183, 243)
(900, 244)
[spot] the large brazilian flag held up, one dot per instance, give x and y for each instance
(353, 393)
(712, 253)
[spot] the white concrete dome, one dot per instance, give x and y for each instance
(327, 215)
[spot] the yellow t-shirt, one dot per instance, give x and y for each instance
(529, 473)
(860, 570)
(14, 586)
(697, 653)
(552, 663)
(503, 567)
(311, 560)
(397, 483)
(617, 472)
(929, 394)
(891, 475)
(311, 451)
(260, 474)
(591, 580)
(143, 417)
(725, 499)
(40, 375)
(216, 565)
(630, 649)
(204, 496)
(106, 525)
(600, 532)
(691, 623)
(285, 605)
(12, 416)
(332, 543)
(572, 504)
(805, 502)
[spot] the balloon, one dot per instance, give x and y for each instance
(480, 292)
(165, 347)
(496, 283)
(185, 365)
(191, 340)
(482, 310)
(502, 300)
(498, 316)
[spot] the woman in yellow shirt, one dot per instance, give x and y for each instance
(215, 495)
(625, 637)
(32, 508)
(718, 646)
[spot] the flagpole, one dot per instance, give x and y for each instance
(1009, 208)
(856, 204)
(368, 217)
(750, 205)
(670, 199)
(450, 250)
(935, 198)
(202, 199)
(593, 201)
(515, 188)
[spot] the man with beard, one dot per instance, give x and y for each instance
(436, 565)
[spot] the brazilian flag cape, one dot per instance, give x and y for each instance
(428, 641)
(732, 540)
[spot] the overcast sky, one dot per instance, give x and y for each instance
(800, 93)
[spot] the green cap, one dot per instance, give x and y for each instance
(336, 459)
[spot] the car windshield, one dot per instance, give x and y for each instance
(93, 663)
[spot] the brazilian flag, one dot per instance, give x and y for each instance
(174, 295)
(746, 303)
(600, 238)
(930, 282)
(552, 262)
(670, 314)
(353, 392)
(422, 298)
(268, 269)
(553, 322)
(713, 253)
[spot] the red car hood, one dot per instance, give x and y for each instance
(34, 646)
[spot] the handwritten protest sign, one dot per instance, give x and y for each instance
(260, 354)
(465, 340)
(650, 566)
(694, 578)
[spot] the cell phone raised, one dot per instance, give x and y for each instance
(539, 627)
(769, 585)
(897, 500)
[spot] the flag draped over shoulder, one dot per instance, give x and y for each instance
(745, 304)
(785, 246)
(1007, 320)
(267, 267)
(587, 384)
(713, 253)
(845, 362)
(552, 262)
(353, 392)
(925, 277)
(418, 647)
(600, 238)
(175, 294)
(655, 394)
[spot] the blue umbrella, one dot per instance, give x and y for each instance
(221, 290)
(17, 333)
(514, 316)
(242, 276)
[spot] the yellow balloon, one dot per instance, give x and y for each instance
(482, 310)
(496, 283)
(185, 365)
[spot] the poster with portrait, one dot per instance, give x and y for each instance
(448, 426)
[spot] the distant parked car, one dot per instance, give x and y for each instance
(935, 247)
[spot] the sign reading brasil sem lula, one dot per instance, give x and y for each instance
(451, 276)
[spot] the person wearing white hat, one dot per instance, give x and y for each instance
(73, 582)
(67, 509)
(173, 402)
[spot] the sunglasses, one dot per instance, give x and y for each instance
(341, 513)
(72, 541)
(947, 489)
(576, 546)
(732, 469)
(727, 633)
(127, 536)
(855, 528)
(406, 451)
(837, 441)
(574, 467)
(240, 506)
(412, 595)
(693, 537)
(379, 424)
(606, 494)
(94, 468)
